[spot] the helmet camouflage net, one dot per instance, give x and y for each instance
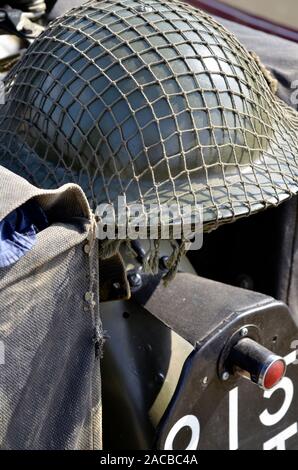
(154, 101)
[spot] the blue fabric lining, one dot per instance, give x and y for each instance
(18, 232)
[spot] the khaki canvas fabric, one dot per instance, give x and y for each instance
(50, 328)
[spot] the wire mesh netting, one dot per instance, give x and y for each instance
(151, 100)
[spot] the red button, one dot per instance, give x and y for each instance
(274, 374)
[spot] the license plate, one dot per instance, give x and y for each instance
(244, 417)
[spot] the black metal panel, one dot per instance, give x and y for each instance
(203, 394)
(193, 306)
(137, 361)
(255, 253)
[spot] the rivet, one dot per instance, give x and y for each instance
(244, 332)
(160, 377)
(87, 248)
(225, 376)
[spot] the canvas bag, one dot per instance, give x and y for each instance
(50, 329)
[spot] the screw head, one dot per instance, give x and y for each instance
(225, 376)
(244, 332)
(135, 280)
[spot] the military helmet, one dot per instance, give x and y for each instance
(154, 101)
